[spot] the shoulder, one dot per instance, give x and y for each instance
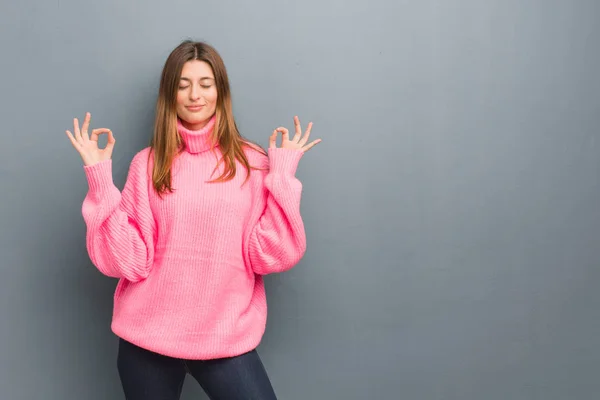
(141, 163)
(256, 155)
(142, 157)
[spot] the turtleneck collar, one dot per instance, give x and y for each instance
(197, 141)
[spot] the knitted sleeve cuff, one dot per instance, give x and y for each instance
(99, 175)
(282, 160)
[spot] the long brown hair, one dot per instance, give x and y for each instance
(167, 143)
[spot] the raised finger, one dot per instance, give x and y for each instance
(97, 132)
(86, 126)
(307, 134)
(73, 140)
(76, 129)
(298, 128)
(310, 145)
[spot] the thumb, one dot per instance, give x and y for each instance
(273, 139)
(111, 139)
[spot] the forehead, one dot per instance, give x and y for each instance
(196, 69)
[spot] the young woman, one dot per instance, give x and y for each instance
(203, 216)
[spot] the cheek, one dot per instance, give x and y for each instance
(212, 96)
(180, 99)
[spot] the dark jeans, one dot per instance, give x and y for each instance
(149, 376)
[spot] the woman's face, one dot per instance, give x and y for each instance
(196, 95)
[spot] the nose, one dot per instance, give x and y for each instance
(194, 93)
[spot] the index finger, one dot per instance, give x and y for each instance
(96, 133)
(285, 134)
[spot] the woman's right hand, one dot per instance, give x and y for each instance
(88, 146)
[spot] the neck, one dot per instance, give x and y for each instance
(197, 140)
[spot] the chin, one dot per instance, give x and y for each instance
(195, 119)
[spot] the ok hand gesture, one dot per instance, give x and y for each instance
(88, 146)
(297, 142)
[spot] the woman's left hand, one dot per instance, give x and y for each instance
(297, 142)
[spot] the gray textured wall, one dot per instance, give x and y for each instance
(452, 210)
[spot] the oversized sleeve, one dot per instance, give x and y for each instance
(121, 229)
(277, 239)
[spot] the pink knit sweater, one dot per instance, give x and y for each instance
(190, 265)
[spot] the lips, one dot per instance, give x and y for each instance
(194, 108)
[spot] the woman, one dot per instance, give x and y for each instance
(203, 216)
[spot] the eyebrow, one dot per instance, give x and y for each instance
(202, 79)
